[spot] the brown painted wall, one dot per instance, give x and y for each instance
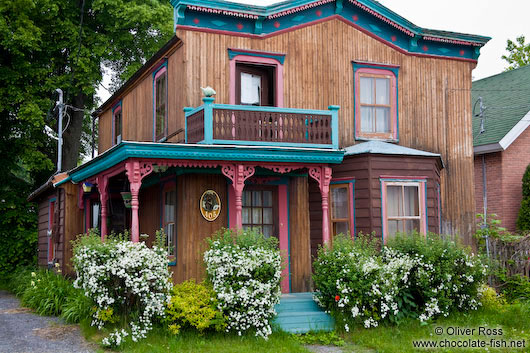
(367, 170)
(299, 229)
(43, 208)
(504, 174)
(192, 228)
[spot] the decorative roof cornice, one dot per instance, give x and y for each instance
(369, 16)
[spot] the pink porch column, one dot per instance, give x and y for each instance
(323, 176)
(103, 182)
(136, 171)
(238, 174)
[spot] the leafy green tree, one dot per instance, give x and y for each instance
(519, 53)
(523, 219)
(49, 44)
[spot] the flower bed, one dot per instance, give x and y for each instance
(245, 271)
(128, 282)
(411, 277)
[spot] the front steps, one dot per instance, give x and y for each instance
(299, 313)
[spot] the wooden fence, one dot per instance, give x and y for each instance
(514, 256)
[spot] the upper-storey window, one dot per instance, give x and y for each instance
(160, 103)
(375, 104)
(255, 85)
(256, 78)
(117, 124)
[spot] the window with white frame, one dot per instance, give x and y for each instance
(403, 207)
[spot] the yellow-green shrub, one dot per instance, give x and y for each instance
(193, 305)
(490, 299)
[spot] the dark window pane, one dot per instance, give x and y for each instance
(267, 198)
(256, 198)
(341, 227)
(339, 202)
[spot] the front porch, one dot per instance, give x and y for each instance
(263, 187)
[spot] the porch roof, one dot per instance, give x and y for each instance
(128, 149)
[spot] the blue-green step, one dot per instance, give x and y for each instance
(299, 313)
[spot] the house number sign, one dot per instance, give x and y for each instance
(210, 205)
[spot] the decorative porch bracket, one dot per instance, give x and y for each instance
(136, 171)
(103, 182)
(238, 173)
(323, 176)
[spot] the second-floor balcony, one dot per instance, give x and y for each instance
(213, 123)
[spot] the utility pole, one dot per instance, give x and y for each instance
(484, 181)
(60, 104)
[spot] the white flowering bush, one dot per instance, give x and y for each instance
(412, 276)
(245, 271)
(128, 282)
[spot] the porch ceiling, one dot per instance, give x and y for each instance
(127, 149)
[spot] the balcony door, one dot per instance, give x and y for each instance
(255, 85)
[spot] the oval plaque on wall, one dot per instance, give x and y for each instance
(210, 205)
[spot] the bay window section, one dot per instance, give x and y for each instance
(404, 208)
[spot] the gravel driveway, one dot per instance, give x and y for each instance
(23, 331)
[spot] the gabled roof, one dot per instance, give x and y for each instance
(506, 97)
(380, 147)
(366, 15)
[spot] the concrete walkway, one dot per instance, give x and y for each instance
(23, 331)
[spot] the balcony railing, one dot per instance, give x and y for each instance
(263, 126)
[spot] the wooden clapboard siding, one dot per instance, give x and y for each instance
(192, 228)
(150, 211)
(105, 131)
(42, 229)
(300, 245)
(434, 97)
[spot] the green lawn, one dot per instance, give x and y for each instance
(514, 320)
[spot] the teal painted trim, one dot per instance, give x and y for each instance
(147, 150)
(395, 71)
(163, 65)
(232, 53)
(271, 109)
(426, 210)
(334, 125)
(373, 18)
(190, 111)
(208, 120)
(266, 143)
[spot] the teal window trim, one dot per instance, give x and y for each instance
(351, 183)
(232, 53)
(156, 72)
(394, 70)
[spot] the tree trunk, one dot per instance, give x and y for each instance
(72, 135)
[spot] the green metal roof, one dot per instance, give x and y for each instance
(506, 97)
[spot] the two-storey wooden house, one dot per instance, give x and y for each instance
(331, 116)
